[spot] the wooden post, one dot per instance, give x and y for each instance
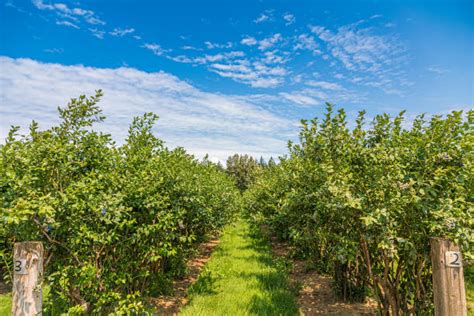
(27, 278)
(448, 278)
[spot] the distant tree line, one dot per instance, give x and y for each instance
(244, 169)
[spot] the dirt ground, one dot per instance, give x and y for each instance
(316, 296)
(170, 305)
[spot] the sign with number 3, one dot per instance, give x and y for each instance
(453, 259)
(20, 266)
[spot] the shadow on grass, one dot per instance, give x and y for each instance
(204, 285)
(279, 298)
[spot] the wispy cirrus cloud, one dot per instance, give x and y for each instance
(378, 58)
(324, 85)
(67, 23)
(256, 74)
(300, 98)
(97, 33)
(54, 50)
(264, 43)
(211, 45)
(437, 70)
(120, 32)
(307, 42)
(207, 58)
(213, 123)
(265, 16)
(64, 11)
(262, 71)
(289, 18)
(155, 48)
(249, 41)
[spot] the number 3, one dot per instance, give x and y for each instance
(17, 265)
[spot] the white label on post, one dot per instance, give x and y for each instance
(20, 266)
(453, 259)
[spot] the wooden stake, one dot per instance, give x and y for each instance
(27, 278)
(448, 278)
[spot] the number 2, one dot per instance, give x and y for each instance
(456, 261)
(453, 259)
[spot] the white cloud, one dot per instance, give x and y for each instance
(437, 70)
(269, 42)
(363, 50)
(262, 71)
(321, 92)
(155, 48)
(189, 47)
(307, 42)
(211, 45)
(257, 74)
(297, 78)
(79, 11)
(248, 41)
(202, 122)
(97, 33)
(300, 99)
(67, 23)
(289, 18)
(265, 72)
(121, 32)
(266, 16)
(53, 50)
(94, 20)
(263, 44)
(64, 11)
(324, 85)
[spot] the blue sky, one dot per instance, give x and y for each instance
(234, 76)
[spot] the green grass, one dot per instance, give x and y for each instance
(242, 278)
(5, 304)
(469, 281)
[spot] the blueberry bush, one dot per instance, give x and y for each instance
(363, 202)
(117, 221)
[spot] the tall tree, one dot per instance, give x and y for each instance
(242, 168)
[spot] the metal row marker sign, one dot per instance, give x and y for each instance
(20, 266)
(453, 259)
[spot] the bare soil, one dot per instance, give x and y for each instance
(171, 304)
(316, 296)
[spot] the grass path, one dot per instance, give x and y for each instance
(242, 278)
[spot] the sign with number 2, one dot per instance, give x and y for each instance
(453, 259)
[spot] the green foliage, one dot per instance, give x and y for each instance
(117, 222)
(243, 169)
(363, 203)
(469, 280)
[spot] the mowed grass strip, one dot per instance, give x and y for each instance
(242, 278)
(5, 304)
